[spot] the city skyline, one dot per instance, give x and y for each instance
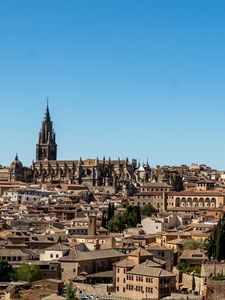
(123, 80)
(138, 160)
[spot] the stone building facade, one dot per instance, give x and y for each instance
(199, 199)
(46, 148)
(92, 172)
(16, 172)
(141, 276)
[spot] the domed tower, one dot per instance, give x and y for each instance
(46, 149)
(16, 170)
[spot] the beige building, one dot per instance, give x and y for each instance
(162, 252)
(157, 199)
(75, 262)
(141, 276)
(53, 252)
(199, 199)
(156, 187)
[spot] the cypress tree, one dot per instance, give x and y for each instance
(193, 283)
(216, 242)
(112, 210)
(220, 242)
(104, 220)
(138, 214)
(211, 244)
(109, 212)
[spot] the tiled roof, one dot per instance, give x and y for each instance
(75, 255)
(15, 252)
(154, 246)
(58, 247)
(146, 269)
(192, 254)
(125, 263)
(156, 185)
(140, 252)
(176, 242)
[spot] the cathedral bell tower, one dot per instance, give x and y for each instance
(46, 149)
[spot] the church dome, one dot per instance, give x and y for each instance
(16, 164)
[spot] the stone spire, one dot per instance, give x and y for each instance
(47, 114)
(46, 149)
(16, 157)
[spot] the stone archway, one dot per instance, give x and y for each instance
(213, 202)
(201, 202)
(195, 202)
(177, 202)
(207, 202)
(189, 201)
(183, 202)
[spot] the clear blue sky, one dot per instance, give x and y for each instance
(124, 78)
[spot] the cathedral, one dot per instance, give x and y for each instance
(91, 172)
(110, 175)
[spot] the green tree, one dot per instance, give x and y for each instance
(70, 291)
(197, 270)
(6, 271)
(28, 272)
(218, 277)
(110, 212)
(130, 218)
(193, 282)
(116, 224)
(220, 236)
(210, 244)
(183, 266)
(191, 244)
(147, 210)
(138, 214)
(104, 221)
(215, 244)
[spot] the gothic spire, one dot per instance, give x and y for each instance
(47, 114)
(46, 147)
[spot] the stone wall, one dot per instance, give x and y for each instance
(215, 290)
(187, 282)
(100, 290)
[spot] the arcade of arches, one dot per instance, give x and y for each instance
(209, 200)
